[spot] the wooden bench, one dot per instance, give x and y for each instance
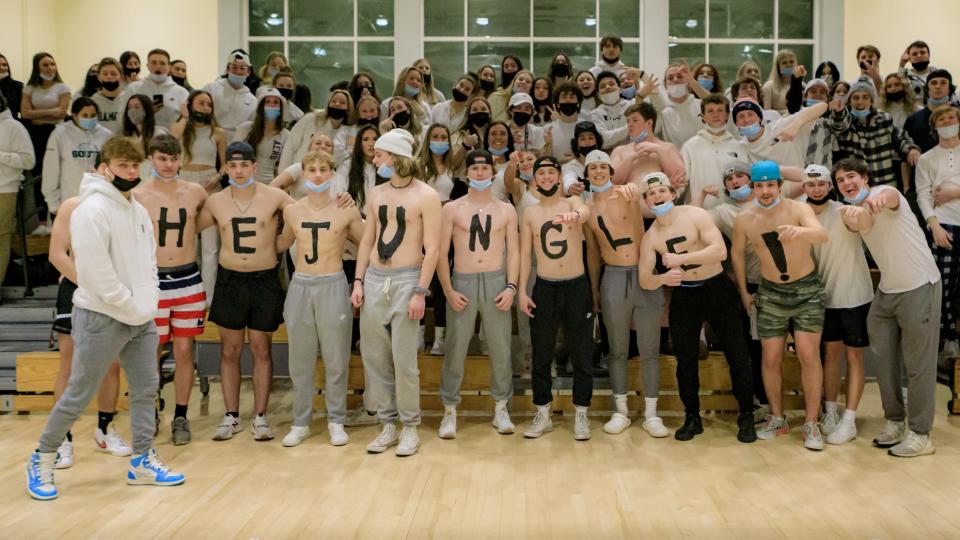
(36, 374)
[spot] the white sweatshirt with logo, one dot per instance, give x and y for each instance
(71, 152)
(16, 152)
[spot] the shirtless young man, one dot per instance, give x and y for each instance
(553, 232)
(782, 233)
(692, 249)
(395, 263)
(317, 308)
(482, 229)
(248, 293)
(173, 205)
(645, 153)
(614, 233)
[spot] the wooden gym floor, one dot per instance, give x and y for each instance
(483, 485)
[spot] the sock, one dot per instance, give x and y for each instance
(104, 419)
(849, 416)
(830, 407)
(180, 410)
(69, 436)
(581, 408)
(235, 414)
(649, 408)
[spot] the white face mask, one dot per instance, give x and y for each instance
(948, 132)
(611, 98)
(676, 90)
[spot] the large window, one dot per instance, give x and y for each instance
(326, 41)
(728, 32)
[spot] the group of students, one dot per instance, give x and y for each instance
(498, 200)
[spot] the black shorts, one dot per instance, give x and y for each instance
(848, 325)
(62, 323)
(251, 300)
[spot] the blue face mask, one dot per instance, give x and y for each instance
(861, 195)
(786, 72)
(88, 124)
(639, 138)
(410, 91)
(742, 193)
(661, 210)
(811, 102)
(707, 84)
(271, 113)
(750, 131)
(934, 102)
(385, 171)
(481, 185)
(245, 185)
(499, 152)
(628, 93)
(157, 175)
(771, 205)
(439, 148)
(316, 188)
(526, 177)
(236, 80)
(601, 189)
(860, 115)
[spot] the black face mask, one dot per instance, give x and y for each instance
(110, 86)
(368, 121)
(521, 118)
(182, 81)
(131, 72)
(584, 150)
(549, 192)
(123, 184)
(896, 96)
(200, 118)
(508, 78)
(479, 119)
(921, 66)
(336, 113)
(819, 202)
(459, 96)
(611, 60)
(287, 93)
(569, 109)
(561, 70)
(427, 79)
(487, 86)
(401, 118)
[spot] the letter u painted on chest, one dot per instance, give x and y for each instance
(386, 249)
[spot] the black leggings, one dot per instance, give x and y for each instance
(570, 304)
(39, 135)
(713, 300)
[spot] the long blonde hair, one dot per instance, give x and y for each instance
(775, 77)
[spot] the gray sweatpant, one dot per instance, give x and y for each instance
(904, 330)
(623, 301)
(98, 339)
(481, 289)
(388, 343)
(317, 310)
(521, 346)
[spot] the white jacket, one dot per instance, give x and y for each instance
(113, 246)
(173, 94)
(704, 156)
(231, 106)
(71, 152)
(16, 152)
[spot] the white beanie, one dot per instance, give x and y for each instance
(597, 156)
(396, 141)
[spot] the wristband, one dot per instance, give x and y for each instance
(358, 279)
(511, 286)
(421, 290)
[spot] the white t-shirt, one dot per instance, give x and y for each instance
(841, 263)
(46, 98)
(572, 171)
(769, 146)
(899, 248)
(268, 152)
(443, 184)
(938, 165)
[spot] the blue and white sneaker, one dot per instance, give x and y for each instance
(147, 469)
(40, 476)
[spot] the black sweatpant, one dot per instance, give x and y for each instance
(714, 300)
(569, 303)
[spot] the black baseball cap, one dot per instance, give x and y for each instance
(240, 151)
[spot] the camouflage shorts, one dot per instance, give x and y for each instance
(799, 302)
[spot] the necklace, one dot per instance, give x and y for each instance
(479, 209)
(243, 211)
(403, 186)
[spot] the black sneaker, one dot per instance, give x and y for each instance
(692, 426)
(747, 432)
(180, 430)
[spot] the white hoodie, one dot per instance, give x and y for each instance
(173, 94)
(16, 152)
(71, 152)
(113, 246)
(232, 106)
(705, 155)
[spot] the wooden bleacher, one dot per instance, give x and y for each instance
(36, 374)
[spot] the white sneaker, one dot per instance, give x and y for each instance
(421, 341)
(386, 439)
(893, 433)
(844, 433)
(409, 441)
(360, 417)
(501, 419)
(812, 438)
(111, 442)
(448, 426)
(297, 435)
(42, 230)
(617, 423)
(227, 428)
(654, 426)
(913, 445)
(438, 335)
(581, 425)
(773, 427)
(261, 428)
(338, 437)
(541, 423)
(829, 422)
(65, 455)
(761, 413)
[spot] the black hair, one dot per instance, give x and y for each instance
(834, 72)
(355, 178)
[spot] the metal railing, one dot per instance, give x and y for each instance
(26, 189)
